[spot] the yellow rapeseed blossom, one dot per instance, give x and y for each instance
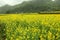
(32, 27)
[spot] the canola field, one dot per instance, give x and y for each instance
(30, 27)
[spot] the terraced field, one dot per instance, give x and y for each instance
(30, 27)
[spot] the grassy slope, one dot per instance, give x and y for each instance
(31, 26)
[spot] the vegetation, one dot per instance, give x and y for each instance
(30, 27)
(32, 7)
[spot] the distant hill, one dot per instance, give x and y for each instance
(36, 6)
(12, 9)
(32, 6)
(4, 8)
(20, 7)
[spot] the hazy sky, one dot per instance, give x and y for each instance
(11, 2)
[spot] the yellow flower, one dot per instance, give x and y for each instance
(50, 35)
(11, 38)
(28, 37)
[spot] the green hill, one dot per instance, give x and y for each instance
(32, 6)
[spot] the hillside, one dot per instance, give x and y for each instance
(4, 8)
(31, 6)
(36, 6)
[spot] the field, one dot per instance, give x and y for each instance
(30, 27)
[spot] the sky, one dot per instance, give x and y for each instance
(11, 2)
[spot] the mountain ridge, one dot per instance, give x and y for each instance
(31, 6)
